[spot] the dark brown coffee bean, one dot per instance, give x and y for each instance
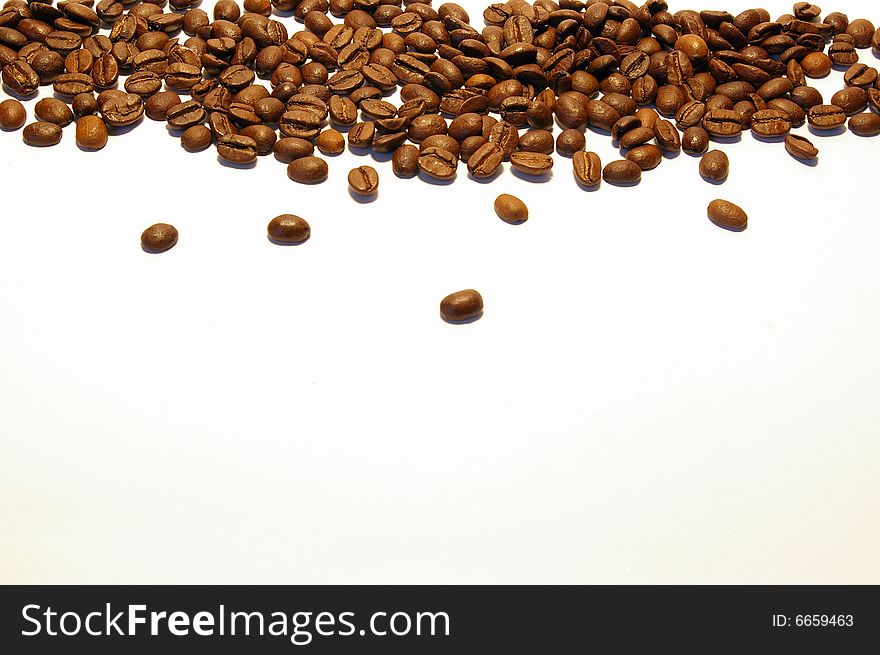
(72, 84)
(159, 238)
(695, 141)
(156, 106)
(826, 117)
(647, 156)
(91, 133)
(363, 180)
(571, 141)
(728, 215)
(770, 123)
(12, 114)
(536, 141)
(438, 162)
(41, 134)
(185, 115)
(21, 78)
(601, 115)
(405, 162)
(288, 229)
(668, 137)
(800, 148)
(865, 124)
(486, 160)
(307, 170)
(144, 83)
(715, 165)
(237, 149)
(690, 114)
(531, 163)
(461, 306)
(587, 168)
(263, 135)
(796, 115)
(722, 123)
(290, 148)
(853, 100)
(511, 209)
(623, 172)
(637, 137)
(196, 138)
(52, 110)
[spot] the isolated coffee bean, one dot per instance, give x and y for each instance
(288, 228)
(41, 134)
(12, 114)
(237, 149)
(531, 163)
(647, 156)
(715, 165)
(622, 172)
(826, 117)
(800, 148)
(728, 215)
(511, 209)
(865, 124)
(159, 238)
(363, 180)
(196, 138)
(91, 133)
(587, 168)
(307, 170)
(461, 306)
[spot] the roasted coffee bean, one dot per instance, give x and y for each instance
(363, 180)
(438, 163)
(571, 141)
(361, 135)
(690, 114)
(826, 117)
(531, 163)
(536, 141)
(647, 156)
(159, 238)
(12, 114)
(623, 172)
(21, 78)
(52, 110)
(307, 170)
(263, 135)
(196, 138)
(695, 141)
(290, 148)
(41, 134)
(330, 142)
(72, 84)
(816, 65)
(91, 133)
(667, 136)
(722, 123)
(84, 104)
(156, 106)
(405, 162)
(800, 148)
(636, 137)
(461, 306)
(770, 123)
(288, 228)
(486, 160)
(715, 165)
(587, 168)
(852, 100)
(511, 209)
(796, 115)
(865, 124)
(185, 115)
(728, 215)
(860, 75)
(237, 149)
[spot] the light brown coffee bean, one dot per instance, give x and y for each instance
(511, 209)
(715, 165)
(728, 215)
(41, 134)
(91, 133)
(800, 148)
(462, 306)
(363, 180)
(531, 163)
(159, 238)
(12, 114)
(288, 229)
(623, 172)
(307, 170)
(865, 124)
(587, 168)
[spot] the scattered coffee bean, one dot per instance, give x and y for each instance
(865, 124)
(461, 306)
(646, 156)
(41, 134)
(196, 138)
(623, 172)
(587, 168)
(91, 133)
(438, 163)
(695, 141)
(800, 148)
(159, 238)
(728, 215)
(12, 114)
(330, 142)
(288, 228)
(511, 209)
(715, 165)
(291, 147)
(363, 180)
(571, 141)
(531, 163)
(52, 110)
(405, 161)
(307, 170)
(826, 117)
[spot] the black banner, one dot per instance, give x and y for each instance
(427, 620)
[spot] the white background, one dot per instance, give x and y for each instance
(648, 398)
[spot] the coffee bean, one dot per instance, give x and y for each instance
(485, 161)
(91, 133)
(290, 148)
(159, 238)
(41, 134)
(330, 142)
(12, 114)
(816, 65)
(72, 84)
(727, 215)
(770, 123)
(307, 170)
(122, 110)
(461, 306)
(196, 138)
(263, 135)
(52, 110)
(722, 123)
(571, 141)
(587, 168)
(405, 162)
(636, 137)
(647, 156)
(361, 135)
(288, 228)
(536, 141)
(826, 117)
(865, 124)
(667, 136)
(511, 209)
(531, 163)
(800, 148)
(363, 180)
(21, 78)
(438, 163)
(715, 165)
(623, 172)
(852, 100)
(695, 141)
(237, 149)
(156, 106)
